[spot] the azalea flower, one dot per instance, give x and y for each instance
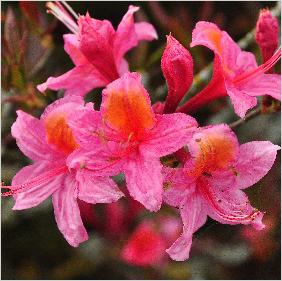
(236, 72)
(130, 137)
(211, 182)
(49, 142)
(96, 49)
(146, 246)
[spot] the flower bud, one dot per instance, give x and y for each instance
(177, 67)
(267, 33)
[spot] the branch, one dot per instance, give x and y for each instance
(248, 116)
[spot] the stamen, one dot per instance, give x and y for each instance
(245, 77)
(62, 15)
(69, 8)
(235, 217)
(43, 178)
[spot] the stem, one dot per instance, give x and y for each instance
(248, 116)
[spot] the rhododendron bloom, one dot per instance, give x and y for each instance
(146, 246)
(130, 137)
(97, 50)
(212, 180)
(177, 67)
(241, 79)
(49, 142)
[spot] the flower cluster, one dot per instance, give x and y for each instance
(76, 150)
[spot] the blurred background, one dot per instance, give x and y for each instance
(33, 247)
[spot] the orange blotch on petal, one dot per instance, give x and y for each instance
(215, 37)
(60, 134)
(215, 152)
(129, 112)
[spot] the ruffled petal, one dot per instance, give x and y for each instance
(100, 161)
(177, 186)
(33, 196)
(96, 43)
(85, 124)
(145, 31)
(96, 189)
(144, 180)
(78, 81)
(241, 101)
(126, 107)
(193, 215)
(255, 159)
(265, 84)
(171, 132)
(30, 135)
(67, 213)
(177, 67)
(228, 205)
(126, 37)
(71, 46)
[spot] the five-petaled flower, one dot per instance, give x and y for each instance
(49, 142)
(128, 134)
(97, 50)
(236, 72)
(212, 180)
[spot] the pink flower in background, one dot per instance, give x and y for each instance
(212, 180)
(267, 34)
(177, 67)
(129, 136)
(146, 246)
(49, 142)
(237, 72)
(96, 49)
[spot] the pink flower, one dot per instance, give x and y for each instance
(267, 34)
(130, 137)
(146, 246)
(96, 49)
(177, 67)
(212, 180)
(49, 142)
(235, 72)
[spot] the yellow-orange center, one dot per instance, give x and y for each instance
(215, 152)
(60, 134)
(215, 37)
(129, 112)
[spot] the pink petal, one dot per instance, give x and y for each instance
(126, 107)
(71, 46)
(67, 213)
(241, 101)
(30, 135)
(145, 31)
(144, 181)
(177, 67)
(94, 189)
(33, 196)
(193, 216)
(78, 81)
(265, 84)
(177, 186)
(86, 124)
(171, 132)
(123, 67)
(96, 43)
(228, 205)
(100, 161)
(126, 37)
(255, 159)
